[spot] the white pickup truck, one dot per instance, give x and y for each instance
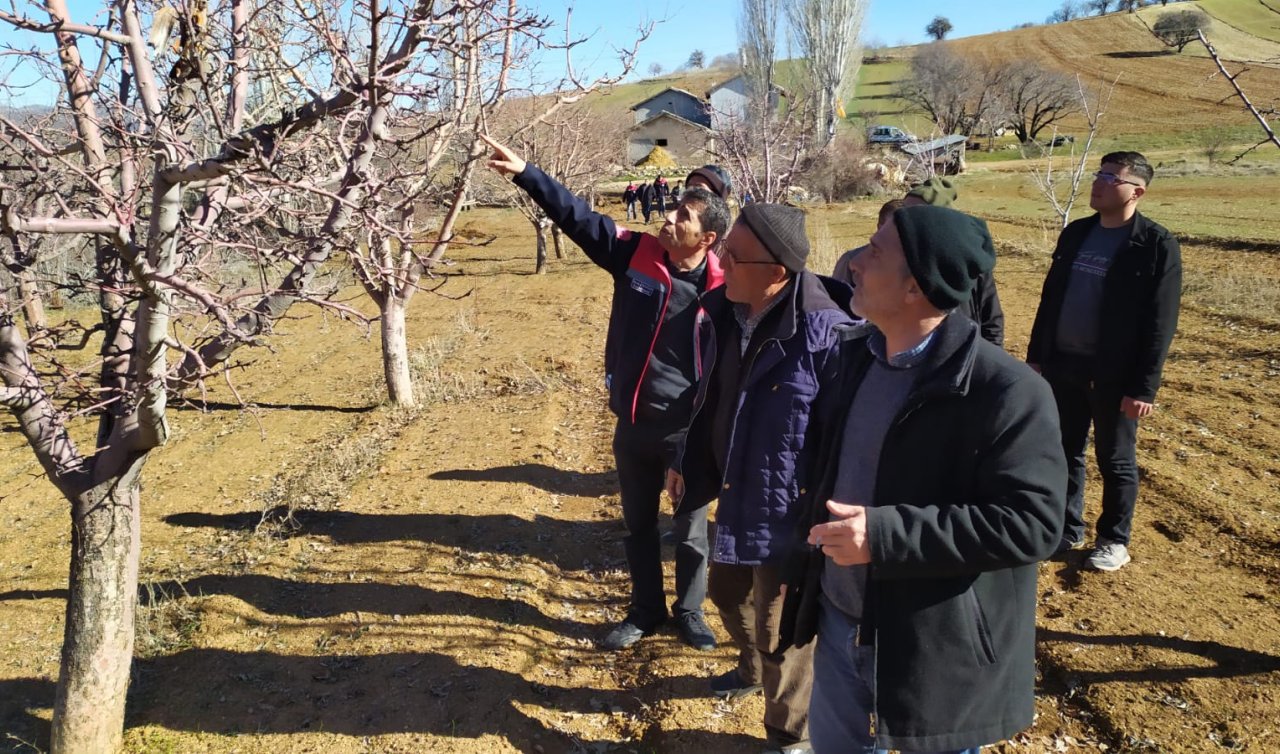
(889, 135)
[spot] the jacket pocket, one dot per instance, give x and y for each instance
(984, 647)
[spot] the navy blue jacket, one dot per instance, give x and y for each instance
(970, 493)
(641, 285)
(767, 464)
(1141, 297)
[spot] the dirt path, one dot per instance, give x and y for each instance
(445, 571)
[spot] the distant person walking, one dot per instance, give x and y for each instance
(660, 194)
(646, 200)
(629, 198)
(1107, 315)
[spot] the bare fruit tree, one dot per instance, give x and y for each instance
(827, 34)
(1034, 98)
(956, 92)
(1060, 186)
(188, 187)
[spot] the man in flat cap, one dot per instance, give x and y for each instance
(931, 508)
(774, 337)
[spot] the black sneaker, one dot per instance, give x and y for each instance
(625, 634)
(695, 631)
(731, 686)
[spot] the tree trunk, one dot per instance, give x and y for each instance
(557, 240)
(395, 352)
(97, 648)
(541, 268)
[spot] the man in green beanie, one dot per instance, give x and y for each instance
(983, 305)
(931, 508)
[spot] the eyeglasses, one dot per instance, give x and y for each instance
(734, 258)
(1111, 179)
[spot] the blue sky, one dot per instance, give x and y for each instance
(711, 25)
(707, 25)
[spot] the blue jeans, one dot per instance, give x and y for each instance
(843, 691)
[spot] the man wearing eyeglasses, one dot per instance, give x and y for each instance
(1108, 312)
(774, 338)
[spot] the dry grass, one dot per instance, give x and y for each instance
(166, 621)
(1237, 295)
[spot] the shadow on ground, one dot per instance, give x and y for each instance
(361, 695)
(310, 599)
(548, 478)
(568, 545)
(1228, 661)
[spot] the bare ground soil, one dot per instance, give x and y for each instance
(327, 574)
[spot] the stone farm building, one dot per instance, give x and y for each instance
(727, 102)
(675, 120)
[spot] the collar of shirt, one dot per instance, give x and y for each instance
(748, 324)
(912, 357)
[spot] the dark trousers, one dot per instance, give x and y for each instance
(1115, 439)
(750, 599)
(642, 454)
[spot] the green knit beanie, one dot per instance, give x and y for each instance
(946, 251)
(937, 191)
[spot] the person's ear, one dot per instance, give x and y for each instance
(1138, 192)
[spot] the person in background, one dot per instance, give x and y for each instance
(629, 198)
(983, 306)
(1108, 312)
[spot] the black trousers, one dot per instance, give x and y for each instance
(1115, 437)
(642, 453)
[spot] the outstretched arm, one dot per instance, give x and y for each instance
(597, 235)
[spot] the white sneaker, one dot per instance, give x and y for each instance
(1108, 556)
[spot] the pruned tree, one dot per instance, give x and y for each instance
(938, 28)
(180, 182)
(697, 59)
(1129, 5)
(1180, 28)
(1099, 7)
(1033, 98)
(826, 33)
(956, 92)
(1061, 186)
(1269, 133)
(655, 70)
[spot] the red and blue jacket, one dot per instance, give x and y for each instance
(641, 287)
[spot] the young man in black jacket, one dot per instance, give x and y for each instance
(941, 487)
(1107, 315)
(651, 371)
